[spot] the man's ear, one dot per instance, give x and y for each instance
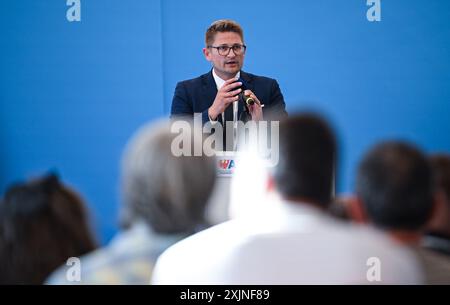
(357, 211)
(207, 53)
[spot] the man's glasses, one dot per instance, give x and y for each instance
(224, 50)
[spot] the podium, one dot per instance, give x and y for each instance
(235, 174)
(219, 202)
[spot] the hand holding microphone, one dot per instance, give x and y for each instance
(252, 104)
(225, 97)
(246, 95)
(235, 90)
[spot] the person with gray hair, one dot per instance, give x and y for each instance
(164, 201)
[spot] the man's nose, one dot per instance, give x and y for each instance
(231, 54)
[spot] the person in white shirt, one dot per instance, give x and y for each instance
(287, 238)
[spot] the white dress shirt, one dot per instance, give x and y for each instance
(219, 83)
(289, 243)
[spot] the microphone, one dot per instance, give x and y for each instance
(247, 99)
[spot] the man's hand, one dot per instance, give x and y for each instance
(225, 96)
(255, 109)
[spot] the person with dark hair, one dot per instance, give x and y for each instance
(216, 94)
(437, 235)
(42, 224)
(305, 170)
(287, 237)
(395, 193)
(164, 200)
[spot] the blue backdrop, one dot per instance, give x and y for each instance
(71, 93)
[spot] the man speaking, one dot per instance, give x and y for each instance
(227, 93)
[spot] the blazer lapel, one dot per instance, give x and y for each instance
(209, 90)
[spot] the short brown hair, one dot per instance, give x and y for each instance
(223, 25)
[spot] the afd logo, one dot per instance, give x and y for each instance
(226, 164)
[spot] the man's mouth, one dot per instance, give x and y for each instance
(231, 62)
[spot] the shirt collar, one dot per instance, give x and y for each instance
(219, 81)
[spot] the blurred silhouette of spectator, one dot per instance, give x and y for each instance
(396, 194)
(288, 238)
(164, 199)
(42, 224)
(437, 237)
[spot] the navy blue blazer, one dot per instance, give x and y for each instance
(197, 95)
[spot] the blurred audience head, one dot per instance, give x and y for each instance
(307, 160)
(395, 187)
(168, 192)
(42, 224)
